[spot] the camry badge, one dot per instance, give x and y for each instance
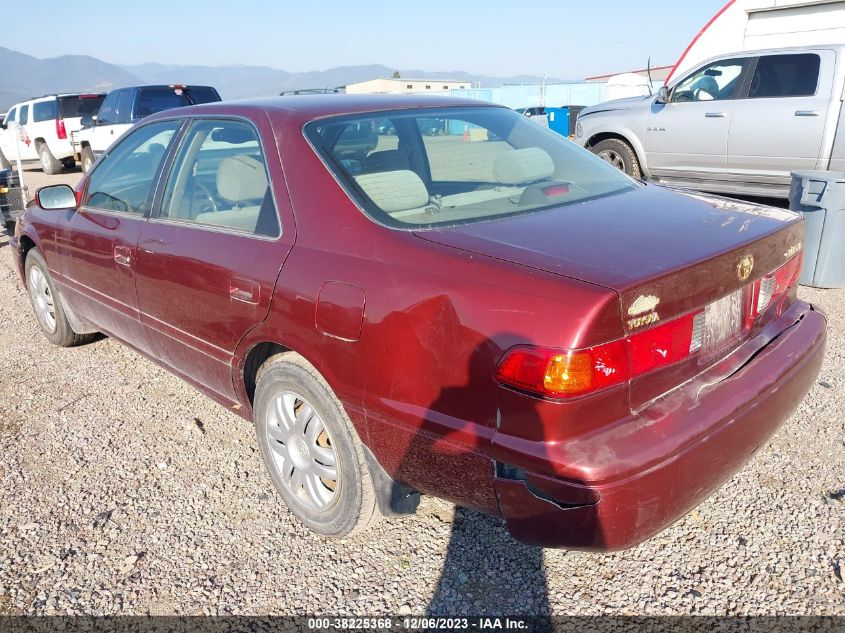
(744, 267)
(643, 303)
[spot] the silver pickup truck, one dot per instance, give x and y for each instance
(735, 124)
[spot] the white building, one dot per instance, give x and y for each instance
(746, 25)
(406, 86)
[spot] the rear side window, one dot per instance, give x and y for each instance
(785, 76)
(44, 111)
(220, 179)
(80, 106)
(124, 178)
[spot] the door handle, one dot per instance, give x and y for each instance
(716, 115)
(123, 255)
(244, 290)
(807, 113)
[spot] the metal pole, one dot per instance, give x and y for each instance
(20, 166)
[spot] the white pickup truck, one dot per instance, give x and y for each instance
(122, 108)
(734, 124)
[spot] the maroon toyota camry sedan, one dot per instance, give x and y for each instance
(437, 296)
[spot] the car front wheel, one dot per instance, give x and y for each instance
(47, 304)
(311, 449)
(619, 154)
(87, 159)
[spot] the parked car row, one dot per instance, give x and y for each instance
(59, 130)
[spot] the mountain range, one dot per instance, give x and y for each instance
(23, 76)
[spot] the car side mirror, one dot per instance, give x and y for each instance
(55, 197)
(662, 95)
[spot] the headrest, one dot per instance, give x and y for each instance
(522, 166)
(241, 178)
(386, 160)
(394, 191)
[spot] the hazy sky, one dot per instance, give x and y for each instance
(564, 38)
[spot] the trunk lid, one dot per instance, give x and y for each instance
(666, 253)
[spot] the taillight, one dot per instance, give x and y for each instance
(556, 373)
(61, 132)
(770, 289)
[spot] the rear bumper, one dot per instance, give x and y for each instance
(627, 482)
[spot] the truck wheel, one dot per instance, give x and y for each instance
(311, 449)
(4, 164)
(48, 162)
(619, 154)
(86, 158)
(47, 304)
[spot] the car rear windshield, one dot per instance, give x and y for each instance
(152, 100)
(431, 167)
(80, 106)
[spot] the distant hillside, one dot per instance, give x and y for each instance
(23, 76)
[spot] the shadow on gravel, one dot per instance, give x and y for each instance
(487, 572)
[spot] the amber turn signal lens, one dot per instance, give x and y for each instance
(569, 373)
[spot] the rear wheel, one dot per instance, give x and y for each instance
(311, 449)
(47, 304)
(87, 159)
(619, 154)
(49, 164)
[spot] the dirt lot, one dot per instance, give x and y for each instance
(122, 490)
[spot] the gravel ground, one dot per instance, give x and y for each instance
(124, 491)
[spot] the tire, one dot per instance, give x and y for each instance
(4, 163)
(298, 456)
(619, 154)
(58, 329)
(86, 158)
(49, 164)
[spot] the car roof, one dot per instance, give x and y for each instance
(308, 107)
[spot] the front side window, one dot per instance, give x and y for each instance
(719, 81)
(107, 113)
(124, 178)
(23, 115)
(219, 179)
(785, 76)
(13, 113)
(440, 166)
(44, 111)
(124, 106)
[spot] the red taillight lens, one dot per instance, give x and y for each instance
(61, 132)
(561, 373)
(770, 289)
(665, 344)
(556, 373)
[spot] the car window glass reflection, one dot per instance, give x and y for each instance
(220, 179)
(125, 177)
